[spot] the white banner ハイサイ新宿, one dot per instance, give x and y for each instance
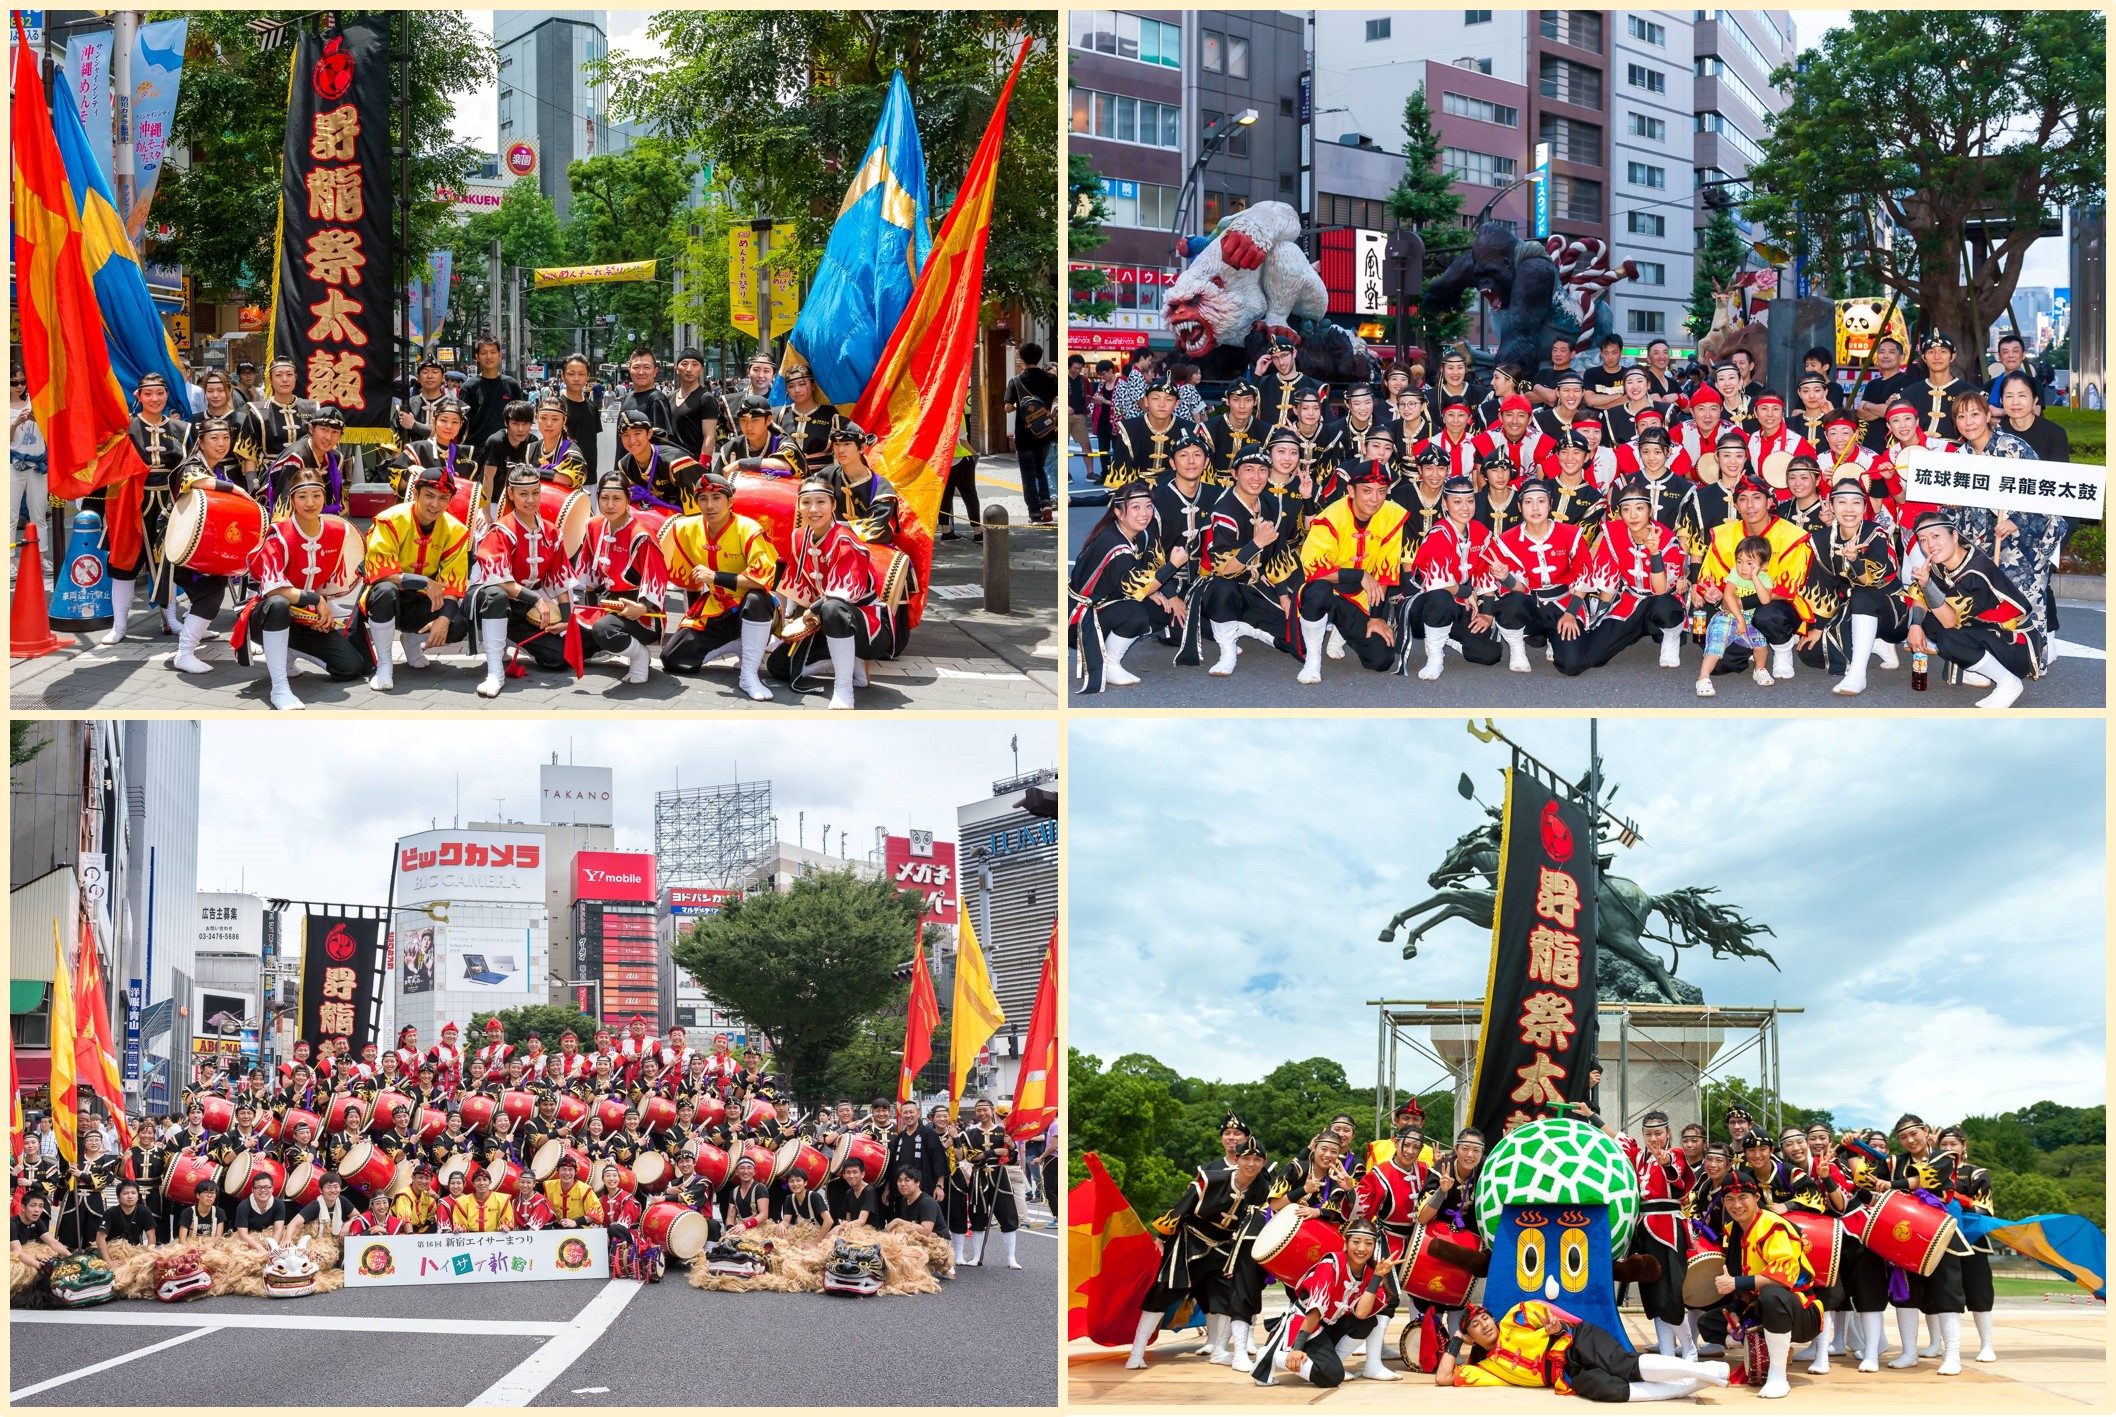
(463, 1258)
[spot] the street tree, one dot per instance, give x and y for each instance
(1425, 197)
(547, 1021)
(633, 206)
(1908, 133)
(231, 117)
(1718, 260)
(805, 965)
(1087, 208)
(526, 225)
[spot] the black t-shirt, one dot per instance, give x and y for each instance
(811, 1208)
(249, 1217)
(923, 1209)
(312, 1214)
(487, 400)
(1037, 383)
(655, 405)
(496, 451)
(1547, 377)
(133, 1228)
(1880, 391)
(28, 1232)
(862, 1209)
(691, 412)
(2050, 442)
(1601, 381)
(584, 427)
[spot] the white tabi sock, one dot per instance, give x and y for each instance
(1907, 1334)
(1985, 1352)
(1149, 1320)
(1778, 1345)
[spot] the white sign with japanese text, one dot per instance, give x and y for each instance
(2058, 489)
(477, 1259)
(1369, 295)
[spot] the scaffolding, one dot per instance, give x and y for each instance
(713, 835)
(1464, 1017)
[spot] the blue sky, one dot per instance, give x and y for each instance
(1937, 888)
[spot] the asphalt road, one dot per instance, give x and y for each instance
(1264, 679)
(984, 1340)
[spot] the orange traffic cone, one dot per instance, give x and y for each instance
(29, 626)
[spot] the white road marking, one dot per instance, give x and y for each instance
(944, 672)
(2062, 648)
(579, 1390)
(34, 1388)
(537, 1372)
(199, 1318)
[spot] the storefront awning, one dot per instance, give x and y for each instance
(26, 996)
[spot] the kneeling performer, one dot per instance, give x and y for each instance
(418, 569)
(727, 565)
(523, 575)
(830, 577)
(621, 579)
(300, 565)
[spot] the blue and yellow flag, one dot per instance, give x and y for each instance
(2069, 1244)
(877, 248)
(131, 326)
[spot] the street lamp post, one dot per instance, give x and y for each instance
(1216, 138)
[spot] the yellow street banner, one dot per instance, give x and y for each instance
(588, 275)
(742, 258)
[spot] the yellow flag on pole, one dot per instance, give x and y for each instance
(976, 1014)
(65, 1104)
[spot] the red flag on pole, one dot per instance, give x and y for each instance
(96, 1057)
(1110, 1260)
(1036, 1090)
(923, 1018)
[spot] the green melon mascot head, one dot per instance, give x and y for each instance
(1557, 1199)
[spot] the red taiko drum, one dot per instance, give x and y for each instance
(1823, 1239)
(507, 1179)
(798, 1155)
(757, 1113)
(432, 1123)
(714, 1164)
(571, 1110)
(213, 532)
(1904, 1231)
(185, 1175)
(296, 1116)
(763, 1160)
(367, 1168)
(676, 1228)
(873, 1156)
(460, 1164)
(386, 1105)
(344, 1115)
(519, 1106)
(656, 1114)
(219, 1114)
(612, 1112)
(614, 1179)
(304, 1183)
(651, 1171)
(771, 503)
(710, 1111)
(1288, 1246)
(1432, 1280)
(244, 1170)
(478, 1110)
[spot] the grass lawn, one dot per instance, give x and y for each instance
(2031, 1286)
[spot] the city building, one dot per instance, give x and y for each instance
(473, 911)
(1008, 858)
(546, 98)
(228, 1012)
(1610, 91)
(1735, 54)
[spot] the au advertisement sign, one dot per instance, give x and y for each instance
(507, 1257)
(919, 863)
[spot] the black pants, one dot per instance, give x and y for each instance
(1132, 619)
(840, 621)
(1325, 1368)
(413, 611)
(1865, 1277)
(1613, 636)
(1035, 486)
(1438, 613)
(995, 1204)
(1228, 602)
(1518, 610)
(962, 483)
(613, 634)
(1979, 1294)
(1320, 600)
(1777, 622)
(1941, 1291)
(1966, 644)
(547, 649)
(1663, 1298)
(335, 649)
(1598, 1367)
(686, 650)
(207, 593)
(1832, 653)
(1779, 1310)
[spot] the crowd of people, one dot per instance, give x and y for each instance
(444, 1139)
(1728, 1217)
(1574, 509)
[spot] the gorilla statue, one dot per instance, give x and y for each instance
(1536, 301)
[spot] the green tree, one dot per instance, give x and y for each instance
(782, 104)
(1425, 198)
(2016, 1195)
(1994, 116)
(1718, 260)
(2053, 1124)
(633, 206)
(526, 225)
(1087, 208)
(1121, 1114)
(23, 742)
(804, 966)
(231, 113)
(2000, 1142)
(546, 1021)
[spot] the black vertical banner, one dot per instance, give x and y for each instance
(1539, 1028)
(342, 972)
(333, 307)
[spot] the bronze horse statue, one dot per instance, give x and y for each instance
(1624, 911)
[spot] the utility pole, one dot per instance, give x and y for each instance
(123, 175)
(762, 227)
(492, 290)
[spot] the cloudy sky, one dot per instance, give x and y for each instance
(1937, 889)
(309, 810)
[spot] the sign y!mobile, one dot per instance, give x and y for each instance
(613, 875)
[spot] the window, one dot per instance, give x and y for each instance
(1468, 221)
(1654, 128)
(1648, 33)
(1743, 143)
(1285, 182)
(1652, 272)
(1476, 17)
(1124, 119)
(1139, 204)
(1483, 110)
(1212, 51)
(1128, 37)
(1713, 68)
(1572, 140)
(1568, 82)
(1477, 169)
(1646, 322)
(1377, 29)
(33, 1031)
(1648, 224)
(1575, 198)
(1730, 28)
(1582, 29)
(1475, 66)
(1236, 145)
(1651, 80)
(1237, 57)
(1644, 174)
(1285, 108)
(1334, 210)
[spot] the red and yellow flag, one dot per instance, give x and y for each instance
(1036, 1090)
(65, 1098)
(96, 1058)
(1110, 1259)
(72, 388)
(914, 403)
(923, 1018)
(14, 1087)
